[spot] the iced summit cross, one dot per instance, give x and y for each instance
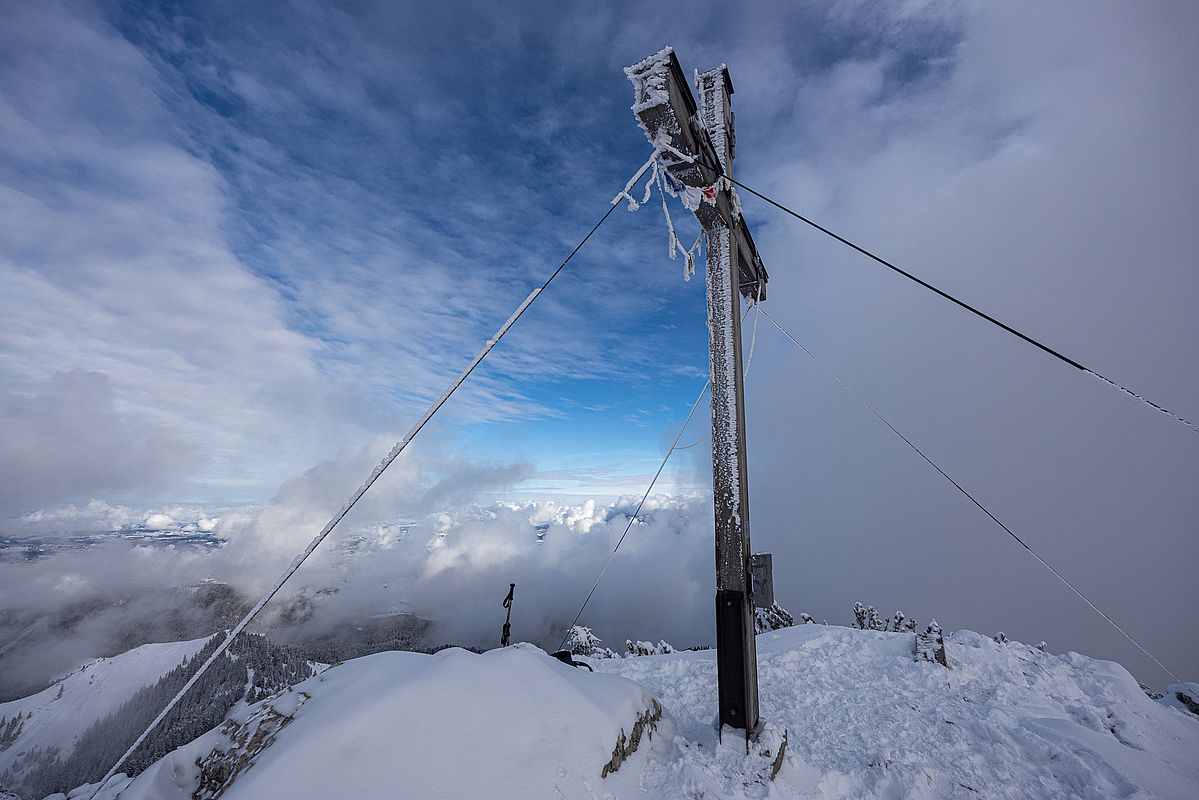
(695, 144)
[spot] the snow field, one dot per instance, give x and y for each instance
(866, 720)
(863, 719)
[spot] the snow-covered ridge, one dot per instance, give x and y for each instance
(863, 718)
(511, 723)
(54, 717)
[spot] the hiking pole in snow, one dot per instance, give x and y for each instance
(507, 637)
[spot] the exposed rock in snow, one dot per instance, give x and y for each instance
(646, 724)
(247, 741)
(930, 645)
(1183, 695)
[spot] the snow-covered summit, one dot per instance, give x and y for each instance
(511, 723)
(863, 718)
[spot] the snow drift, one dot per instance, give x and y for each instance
(863, 717)
(511, 723)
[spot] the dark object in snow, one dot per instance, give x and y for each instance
(1186, 695)
(565, 657)
(778, 760)
(507, 635)
(761, 574)
(10, 729)
(930, 645)
(769, 736)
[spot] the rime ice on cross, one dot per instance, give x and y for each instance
(696, 144)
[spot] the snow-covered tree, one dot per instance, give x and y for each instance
(859, 616)
(10, 729)
(648, 648)
(873, 621)
(868, 619)
(582, 642)
(1001, 638)
(771, 619)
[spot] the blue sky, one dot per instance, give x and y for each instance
(240, 243)
(392, 180)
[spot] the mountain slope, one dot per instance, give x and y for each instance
(54, 717)
(863, 719)
(60, 752)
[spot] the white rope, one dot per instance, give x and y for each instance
(673, 447)
(673, 246)
(374, 476)
(329, 526)
(1145, 400)
(632, 519)
(753, 338)
(628, 187)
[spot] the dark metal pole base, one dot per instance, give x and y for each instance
(736, 660)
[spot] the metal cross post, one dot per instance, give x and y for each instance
(696, 143)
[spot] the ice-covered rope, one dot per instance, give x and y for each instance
(1143, 399)
(374, 476)
(972, 499)
(673, 245)
(628, 187)
(636, 512)
(962, 304)
(753, 338)
(673, 448)
(661, 178)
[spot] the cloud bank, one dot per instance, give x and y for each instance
(256, 239)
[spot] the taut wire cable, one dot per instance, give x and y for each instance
(345, 509)
(981, 314)
(972, 498)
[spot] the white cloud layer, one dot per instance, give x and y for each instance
(195, 304)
